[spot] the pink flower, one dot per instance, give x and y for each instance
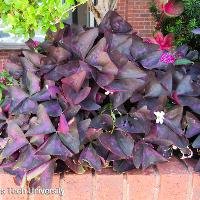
(171, 8)
(36, 44)
(167, 58)
(165, 42)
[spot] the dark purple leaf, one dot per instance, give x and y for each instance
(120, 43)
(154, 89)
(47, 93)
(185, 86)
(173, 119)
(29, 160)
(89, 105)
(37, 140)
(64, 70)
(32, 82)
(133, 124)
(123, 165)
(14, 70)
(72, 111)
(58, 53)
(193, 125)
(103, 121)
(131, 70)
(196, 143)
(83, 129)
(33, 57)
(75, 167)
(145, 156)
(192, 102)
(82, 43)
(75, 81)
(100, 59)
(54, 146)
(26, 107)
(140, 49)
(83, 94)
(46, 177)
(43, 124)
(71, 138)
(193, 55)
(152, 61)
(34, 173)
(119, 98)
(114, 22)
(90, 156)
(16, 140)
(121, 144)
(17, 96)
(63, 126)
(53, 108)
(28, 65)
(165, 133)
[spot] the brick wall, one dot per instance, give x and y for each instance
(174, 180)
(137, 13)
(4, 56)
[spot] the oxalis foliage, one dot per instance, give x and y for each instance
(98, 97)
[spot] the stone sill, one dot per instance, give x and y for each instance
(174, 180)
(12, 46)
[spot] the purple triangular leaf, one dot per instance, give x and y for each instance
(17, 96)
(53, 146)
(193, 125)
(16, 140)
(71, 139)
(53, 108)
(90, 156)
(43, 124)
(32, 82)
(196, 143)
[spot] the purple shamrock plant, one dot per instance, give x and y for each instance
(94, 98)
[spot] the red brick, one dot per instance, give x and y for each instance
(77, 187)
(7, 184)
(109, 185)
(174, 179)
(55, 185)
(142, 184)
(137, 11)
(194, 186)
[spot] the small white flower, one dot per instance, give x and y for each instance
(159, 117)
(174, 147)
(186, 153)
(107, 93)
(47, 86)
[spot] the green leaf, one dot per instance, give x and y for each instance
(27, 17)
(0, 94)
(53, 28)
(62, 25)
(2, 86)
(183, 61)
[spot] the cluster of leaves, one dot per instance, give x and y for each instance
(182, 25)
(25, 17)
(5, 81)
(97, 97)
